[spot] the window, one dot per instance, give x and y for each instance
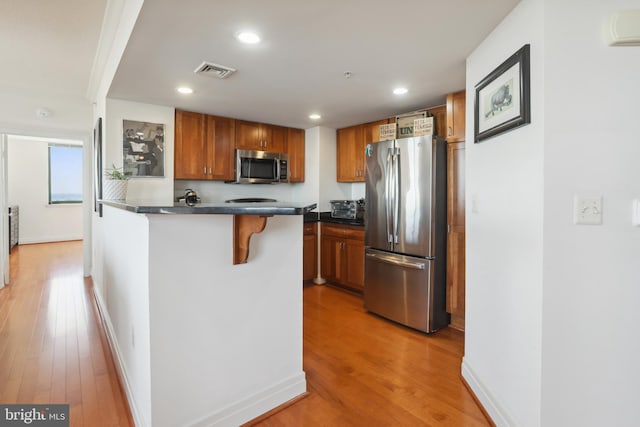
(65, 174)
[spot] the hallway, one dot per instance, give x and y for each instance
(52, 349)
(361, 369)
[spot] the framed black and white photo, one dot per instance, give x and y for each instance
(97, 166)
(502, 98)
(142, 149)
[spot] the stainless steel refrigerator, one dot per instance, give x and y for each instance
(405, 231)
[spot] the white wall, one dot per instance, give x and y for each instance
(124, 300)
(590, 344)
(552, 306)
(502, 359)
(330, 189)
(4, 223)
(117, 26)
(309, 191)
(28, 179)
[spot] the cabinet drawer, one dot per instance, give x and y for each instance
(309, 228)
(343, 231)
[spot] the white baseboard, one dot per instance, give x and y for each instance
(499, 416)
(117, 356)
(257, 404)
(48, 239)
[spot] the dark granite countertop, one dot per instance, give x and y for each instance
(326, 217)
(262, 208)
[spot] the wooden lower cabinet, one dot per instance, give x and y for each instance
(310, 252)
(342, 255)
(456, 234)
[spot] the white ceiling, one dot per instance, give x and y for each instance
(49, 45)
(307, 46)
(47, 50)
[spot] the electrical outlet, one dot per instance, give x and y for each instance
(587, 210)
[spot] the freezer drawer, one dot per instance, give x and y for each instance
(401, 288)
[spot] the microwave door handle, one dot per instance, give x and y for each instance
(276, 166)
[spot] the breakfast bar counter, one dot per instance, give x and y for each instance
(200, 338)
(222, 208)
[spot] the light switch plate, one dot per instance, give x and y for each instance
(587, 210)
(635, 219)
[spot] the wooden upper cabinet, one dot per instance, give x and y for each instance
(221, 136)
(277, 140)
(260, 136)
(371, 131)
(350, 154)
(351, 143)
(248, 135)
(456, 107)
(203, 146)
(295, 149)
(190, 146)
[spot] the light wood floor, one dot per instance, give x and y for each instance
(363, 370)
(52, 347)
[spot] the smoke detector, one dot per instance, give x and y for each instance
(214, 70)
(43, 113)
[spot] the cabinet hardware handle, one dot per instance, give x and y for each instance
(209, 171)
(450, 131)
(448, 228)
(204, 170)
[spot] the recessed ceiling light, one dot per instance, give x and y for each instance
(185, 90)
(400, 90)
(248, 37)
(315, 116)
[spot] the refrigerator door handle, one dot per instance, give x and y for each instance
(394, 261)
(387, 196)
(396, 193)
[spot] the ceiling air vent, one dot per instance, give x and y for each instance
(214, 70)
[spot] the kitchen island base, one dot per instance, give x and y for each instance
(199, 340)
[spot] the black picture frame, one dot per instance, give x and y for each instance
(502, 100)
(142, 149)
(97, 166)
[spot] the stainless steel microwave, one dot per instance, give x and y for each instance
(261, 167)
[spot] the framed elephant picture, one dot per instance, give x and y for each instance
(502, 98)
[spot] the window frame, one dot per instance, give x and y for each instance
(63, 202)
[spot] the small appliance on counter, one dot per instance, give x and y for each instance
(347, 209)
(190, 197)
